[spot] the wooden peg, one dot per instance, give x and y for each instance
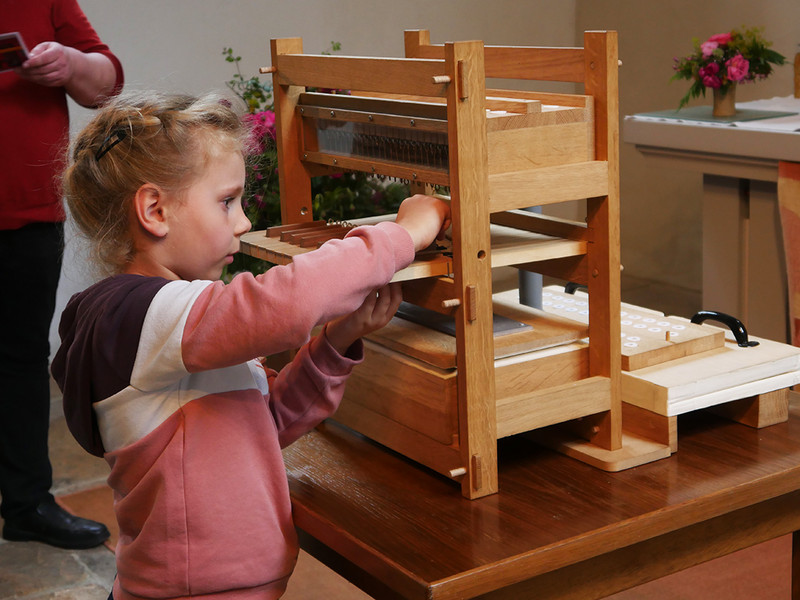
(265, 70)
(472, 302)
(441, 79)
(463, 74)
(451, 303)
(459, 472)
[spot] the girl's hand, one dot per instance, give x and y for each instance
(376, 311)
(425, 218)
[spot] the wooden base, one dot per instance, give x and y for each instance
(635, 450)
(757, 411)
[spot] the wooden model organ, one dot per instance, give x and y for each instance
(429, 119)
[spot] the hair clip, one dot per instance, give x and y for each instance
(112, 140)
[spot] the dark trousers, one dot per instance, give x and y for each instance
(30, 264)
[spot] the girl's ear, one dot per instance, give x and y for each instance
(148, 206)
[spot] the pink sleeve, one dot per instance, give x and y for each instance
(276, 311)
(310, 388)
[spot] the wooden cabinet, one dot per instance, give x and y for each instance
(429, 118)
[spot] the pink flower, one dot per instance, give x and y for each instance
(738, 67)
(708, 48)
(721, 38)
(262, 127)
(709, 75)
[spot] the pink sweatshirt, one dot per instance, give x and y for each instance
(161, 378)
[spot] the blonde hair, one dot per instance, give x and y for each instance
(163, 139)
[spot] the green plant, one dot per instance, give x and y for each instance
(725, 59)
(339, 197)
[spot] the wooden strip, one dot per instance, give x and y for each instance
(277, 230)
(383, 103)
(389, 120)
(289, 235)
(527, 412)
(394, 75)
(548, 185)
(517, 62)
(379, 167)
(544, 224)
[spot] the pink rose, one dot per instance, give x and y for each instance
(708, 48)
(738, 67)
(720, 38)
(709, 75)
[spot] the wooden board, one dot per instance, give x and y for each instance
(439, 349)
(644, 331)
(714, 377)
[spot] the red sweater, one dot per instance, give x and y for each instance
(34, 120)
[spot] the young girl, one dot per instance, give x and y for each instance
(158, 362)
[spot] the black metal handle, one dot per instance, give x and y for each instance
(734, 324)
(573, 287)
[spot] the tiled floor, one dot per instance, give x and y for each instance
(31, 570)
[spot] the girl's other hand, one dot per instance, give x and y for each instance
(376, 311)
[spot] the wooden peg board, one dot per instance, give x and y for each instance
(644, 332)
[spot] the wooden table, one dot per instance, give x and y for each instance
(558, 528)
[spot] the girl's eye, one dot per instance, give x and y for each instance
(228, 202)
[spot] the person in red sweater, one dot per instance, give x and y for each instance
(66, 58)
(159, 362)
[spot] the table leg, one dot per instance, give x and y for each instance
(796, 565)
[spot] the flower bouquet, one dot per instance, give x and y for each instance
(724, 60)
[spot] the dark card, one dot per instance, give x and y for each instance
(12, 51)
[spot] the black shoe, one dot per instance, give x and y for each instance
(51, 524)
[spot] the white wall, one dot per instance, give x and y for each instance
(176, 45)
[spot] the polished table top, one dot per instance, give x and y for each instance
(410, 528)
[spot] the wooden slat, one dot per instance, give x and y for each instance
(516, 62)
(393, 75)
(548, 185)
(379, 167)
(544, 224)
(531, 411)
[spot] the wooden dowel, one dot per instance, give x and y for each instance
(265, 70)
(441, 79)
